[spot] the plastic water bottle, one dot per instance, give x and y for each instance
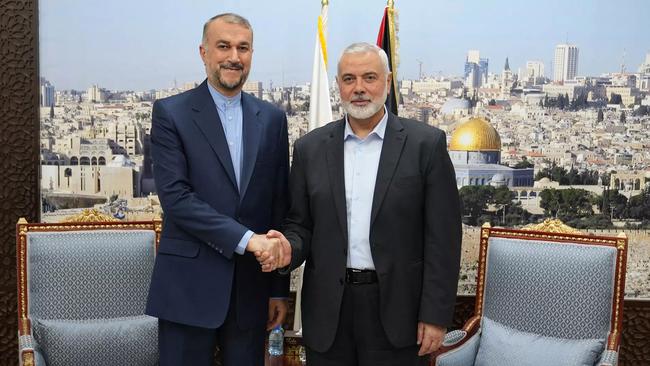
(276, 341)
(302, 355)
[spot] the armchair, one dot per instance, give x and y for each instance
(542, 298)
(82, 288)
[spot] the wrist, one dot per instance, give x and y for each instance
(253, 244)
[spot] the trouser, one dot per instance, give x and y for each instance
(360, 337)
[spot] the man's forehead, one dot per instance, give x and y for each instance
(225, 30)
(360, 62)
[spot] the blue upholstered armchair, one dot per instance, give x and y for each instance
(82, 288)
(542, 298)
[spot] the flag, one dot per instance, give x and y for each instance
(387, 40)
(320, 107)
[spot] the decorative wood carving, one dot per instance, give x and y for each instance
(19, 151)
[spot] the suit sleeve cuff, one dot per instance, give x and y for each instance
(241, 247)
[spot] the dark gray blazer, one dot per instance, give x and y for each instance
(415, 233)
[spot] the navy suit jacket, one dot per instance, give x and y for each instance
(206, 215)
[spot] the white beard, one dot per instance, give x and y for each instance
(367, 111)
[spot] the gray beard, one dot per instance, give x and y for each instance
(231, 86)
(366, 111)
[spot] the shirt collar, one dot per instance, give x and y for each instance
(220, 100)
(379, 130)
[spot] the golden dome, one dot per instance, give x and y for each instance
(476, 134)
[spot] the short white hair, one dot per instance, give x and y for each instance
(363, 47)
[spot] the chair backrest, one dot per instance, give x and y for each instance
(552, 284)
(84, 270)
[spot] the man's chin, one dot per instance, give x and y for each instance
(362, 112)
(231, 85)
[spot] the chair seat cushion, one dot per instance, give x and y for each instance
(503, 346)
(117, 341)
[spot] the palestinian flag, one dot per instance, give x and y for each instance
(387, 40)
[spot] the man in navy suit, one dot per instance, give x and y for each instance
(221, 170)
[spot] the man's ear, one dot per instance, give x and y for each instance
(202, 52)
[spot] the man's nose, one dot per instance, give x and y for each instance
(233, 55)
(359, 86)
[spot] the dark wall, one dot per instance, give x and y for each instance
(19, 154)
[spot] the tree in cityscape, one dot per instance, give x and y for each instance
(501, 198)
(571, 177)
(600, 221)
(523, 164)
(612, 204)
(566, 204)
(622, 118)
(638, 207)
(579, 101)
(561, 102)
(474, 99)
(482, 204)
(615, 99)
(474, 201)
(601, 116)
(643, 110)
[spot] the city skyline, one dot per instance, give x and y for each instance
(84, 44)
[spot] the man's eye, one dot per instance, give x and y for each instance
(244, 48)
(371, 77)
(223, 46)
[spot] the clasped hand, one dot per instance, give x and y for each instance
(271, 250)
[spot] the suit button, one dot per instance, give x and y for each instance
(341, 281)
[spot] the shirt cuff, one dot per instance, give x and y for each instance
(241, 247)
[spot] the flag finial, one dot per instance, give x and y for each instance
(324, 2)
(391, 3)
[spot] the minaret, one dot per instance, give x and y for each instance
(506, 81)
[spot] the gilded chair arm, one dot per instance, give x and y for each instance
(608, 358)
(28, 352)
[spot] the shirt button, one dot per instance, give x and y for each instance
(229, 117)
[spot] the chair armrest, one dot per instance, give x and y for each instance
(459, 345)
(453, 337)
(609, 357)
(26, 350)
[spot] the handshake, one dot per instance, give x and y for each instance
(271, 250)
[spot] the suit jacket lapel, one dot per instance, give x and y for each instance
(207, 119)
(391, 151)
(336, 173)
(252, 131)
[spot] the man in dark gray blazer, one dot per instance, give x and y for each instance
(375, 215)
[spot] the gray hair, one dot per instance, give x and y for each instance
(230, 18)
(363, 47)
